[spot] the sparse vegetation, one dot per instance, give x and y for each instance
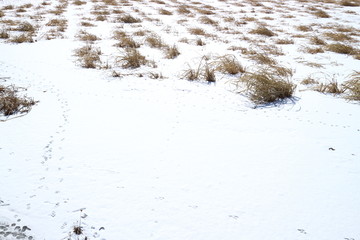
(172, 52)
(340, 48)
(154, 41)
(86, 36)
(88, 56)
(262, 30)
(22, 38)
(265, 85)
(128, 19)
(229, 64)
(132, 59)
(12, 103)
(352, 87)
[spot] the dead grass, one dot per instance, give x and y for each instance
(132, 59)
(197, 31)
(335, 36)
(200, 42)
(57, 22)
(87, 24)
(2, 14)
(22, 38)
(332, 87)
(312, 50)
(348, 3)
(309, 81)
(172, 52)
(183, 9)
(284, 41)
(4, 34)
(127, 42)
(262, 58)
(155, 41)
(207, 20)
(86, 36)
(128, 19)
(229, 64)
(340, 48)
(320, 13)
(317, 41)
(12, 103)
(88, 56)
(165, 12)
(304, 28)
(209, 74)
(262, 30)
(265, 85)
(352, 87)
(25, 27)
(78, 2)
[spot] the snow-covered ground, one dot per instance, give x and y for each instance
(141, 158)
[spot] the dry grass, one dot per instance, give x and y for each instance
(86, 36)
(165, 12)
(284, 41)
(11, 103)
(340, 48)
(200, 42)
(309, 81)
(132, 59)
(317, 41)
(127, 42)
(88, 56)
(209, 74)
(229, 64)
(352, 87)
(78, 2)
(128, 19)
(22, 38)
(265, 85)
(57, 22)
(207, 20)
(183, 9)
(172, 52)
(87, 24)
(155, 41)
(197, 31)
(262, 30)
(304, 28)
(312, 50)
(332, 87)
(25, 27)
(262, 58)
(348, 3)
(320, 13)
(334, 36)
(4, 34)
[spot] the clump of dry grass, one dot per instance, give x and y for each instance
(25, 27)
(266, 85)
(86, 36)
(209, 74)
(229, 64)
(22, 38)
(87, 24)
(183, 9)
(11, 103)
(335, 36)
(78, 2)
(348, 3)
(128, 19)
(309, 81)
(132, 59)
(284, 41)
(197, 31)
(320, 13)
(207, 20)
(352, 87)
(57, 22)
(172, 52)
(332, 87)
(200, 42)
(262, 30)
(4, 34)
(127, 42)
(2, 14)
(317, 41)
(304, 28)
(203, 71)
(88, 56)
(262, 58)
(312, 50)
(155, 41)
(340, 48)
(163, 11)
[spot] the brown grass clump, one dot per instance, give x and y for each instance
(78, 2)
(321, 13)
(348, 3)
(207, 20)
(311, 50)
(154, 41)
(88, 56)
(4, 34)
(262, 58)
(172, 52)
(265, 85)
(352, 87)
(164, 12)
(11, 103)
(304, 28)
(209, 74)
(309, 81)
(200, 42)
(317, 41)
(2, 14)
(86, 36)
(338, 36)
(87, 24)
(128, 19)
(229, 64)
(331, 87)
(22, 38)
(25, 27)
(340, 48)
(284, 41)
(262, 30)
(197, 31)
(183, 9)
(132, 59)
(204, 11)
(127, 42)
(57, 22)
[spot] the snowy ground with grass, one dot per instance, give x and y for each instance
(146, 125)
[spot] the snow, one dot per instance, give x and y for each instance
(171, 159)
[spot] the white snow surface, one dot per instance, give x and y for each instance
(168, 159)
